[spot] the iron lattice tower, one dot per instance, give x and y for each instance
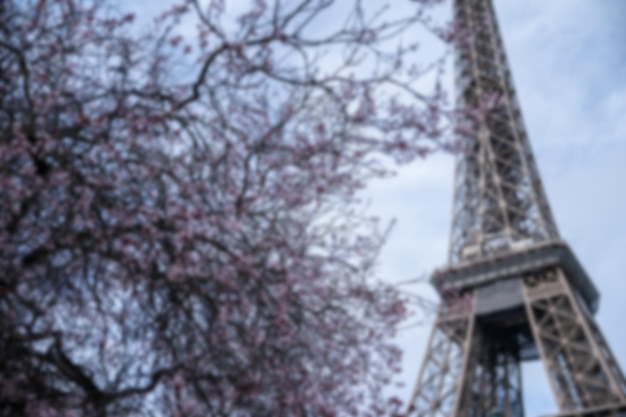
(512, 290)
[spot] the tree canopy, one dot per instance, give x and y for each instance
(179, 233)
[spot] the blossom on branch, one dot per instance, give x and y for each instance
(178, 232)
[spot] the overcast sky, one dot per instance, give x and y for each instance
(568, 60)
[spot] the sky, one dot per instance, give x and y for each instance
(568, 59)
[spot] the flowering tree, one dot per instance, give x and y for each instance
(178, 231)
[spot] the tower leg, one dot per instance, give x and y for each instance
(467, 371)
(582, 370)
(472, 365)
(441, 376)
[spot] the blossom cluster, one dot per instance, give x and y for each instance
(178, 232)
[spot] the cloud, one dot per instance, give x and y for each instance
(567, 59)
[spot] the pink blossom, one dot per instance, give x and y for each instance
(193, 244)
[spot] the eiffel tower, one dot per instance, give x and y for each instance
(512, 291)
